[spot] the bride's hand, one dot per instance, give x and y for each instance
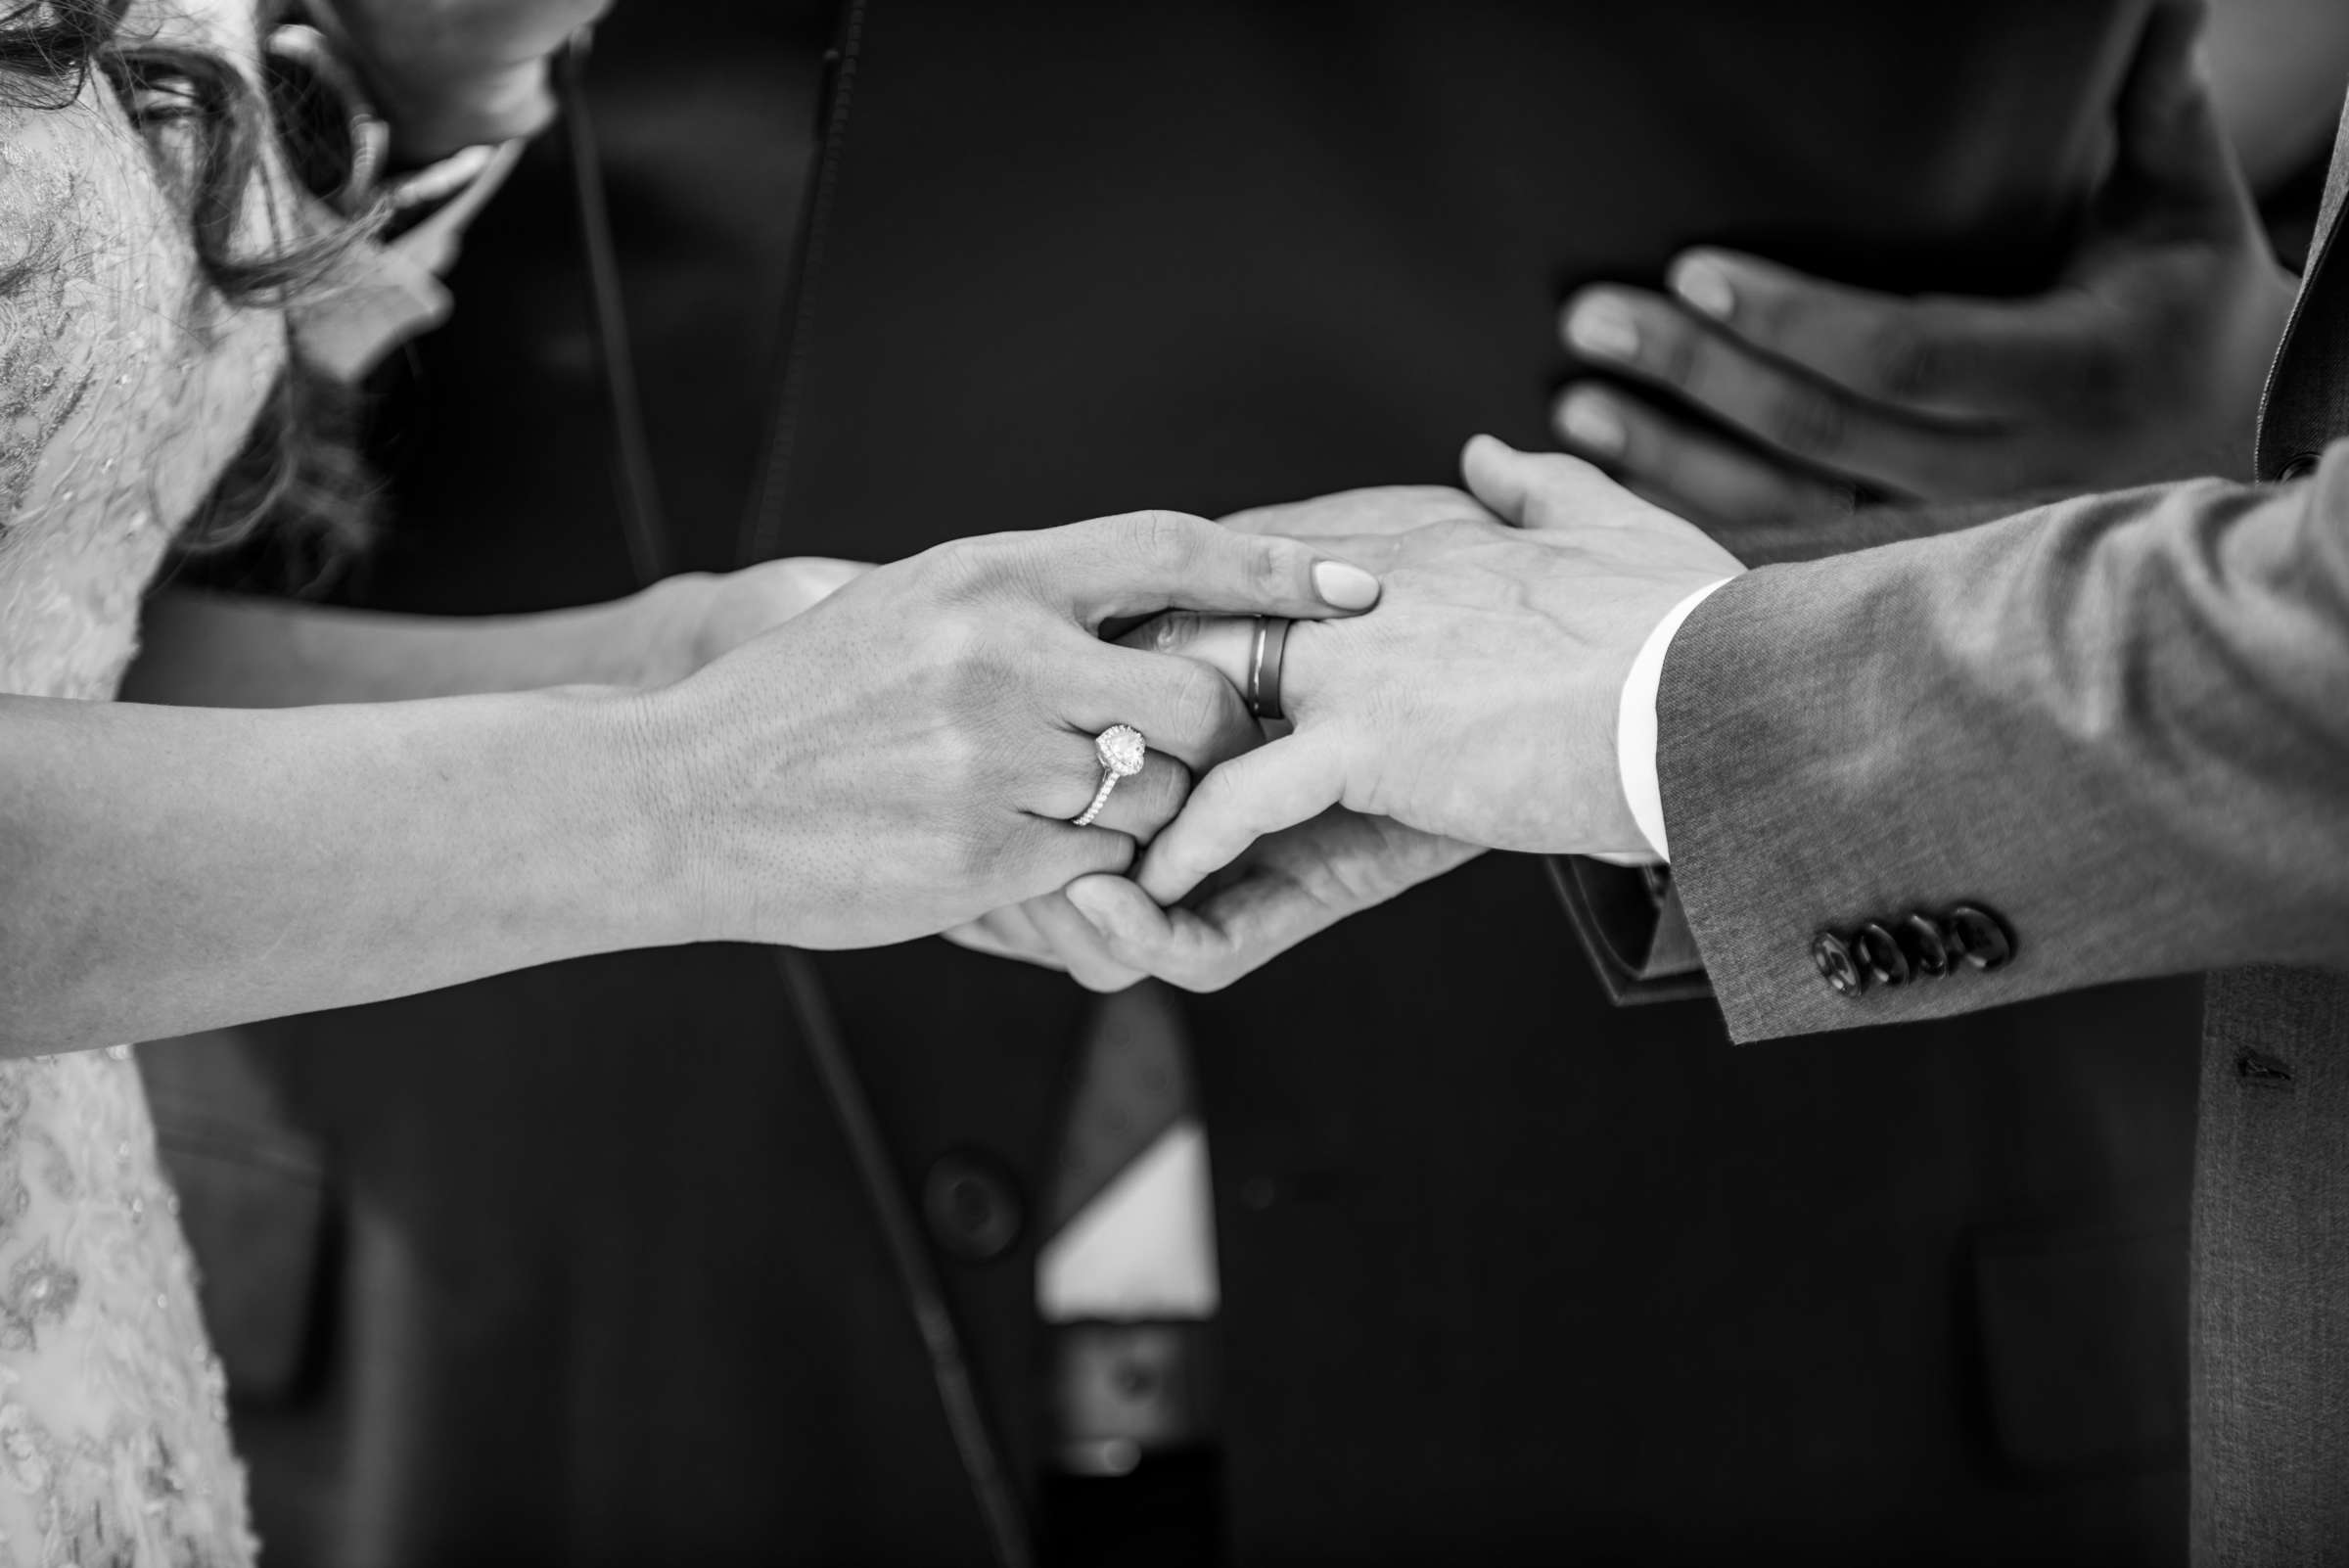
(696, 617)
(906, 756)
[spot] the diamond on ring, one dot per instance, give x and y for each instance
(1120, 748)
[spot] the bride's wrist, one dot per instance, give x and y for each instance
(708, 773)
(618, 776)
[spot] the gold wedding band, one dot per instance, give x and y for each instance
(1120, 748)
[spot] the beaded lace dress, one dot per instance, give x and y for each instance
(113, 1436)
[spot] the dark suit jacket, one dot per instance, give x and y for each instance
(1509, 1274)
(2124, 722)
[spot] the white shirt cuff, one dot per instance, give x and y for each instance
(1635, 725)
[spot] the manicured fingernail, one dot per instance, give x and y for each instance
(1587, 421)
(1603, 328)
(1702, 283)
(1345, 585)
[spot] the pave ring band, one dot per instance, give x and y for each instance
(1265, 656)
(1120, 748)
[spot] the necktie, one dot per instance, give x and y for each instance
(1127, 1276)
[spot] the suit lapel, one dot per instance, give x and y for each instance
(2297, 412)
(2336, 188)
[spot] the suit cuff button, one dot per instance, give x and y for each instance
(1979, 936)
(1928, 949)
(1879, 954)
(1833, 956)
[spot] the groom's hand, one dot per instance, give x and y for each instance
(1476, 708)
(1365, 526)
(1480, 701)
(1284, 888)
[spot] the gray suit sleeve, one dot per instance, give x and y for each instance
(2121, 721)
(1816, 536)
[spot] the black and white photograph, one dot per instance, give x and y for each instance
(1174, 783)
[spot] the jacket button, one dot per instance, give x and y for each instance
(1879, 953)
(973, 1206)
(1928, 950)
(1979, 936)
(1836, 967)
(2302, 464)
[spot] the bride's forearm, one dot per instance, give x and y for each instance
(166, 870)
(212, 650)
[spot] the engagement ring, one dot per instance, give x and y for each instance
(1120, 748)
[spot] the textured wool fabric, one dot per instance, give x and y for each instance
(2271, 1256)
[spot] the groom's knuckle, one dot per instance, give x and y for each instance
(1167, 540)
(1198, 701)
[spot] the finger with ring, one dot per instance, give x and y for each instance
(1136, 791)
(1266, 652)
(1190, 708)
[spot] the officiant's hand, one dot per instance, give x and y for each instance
(1476, 709)
(909, 754)
(2145, 362)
